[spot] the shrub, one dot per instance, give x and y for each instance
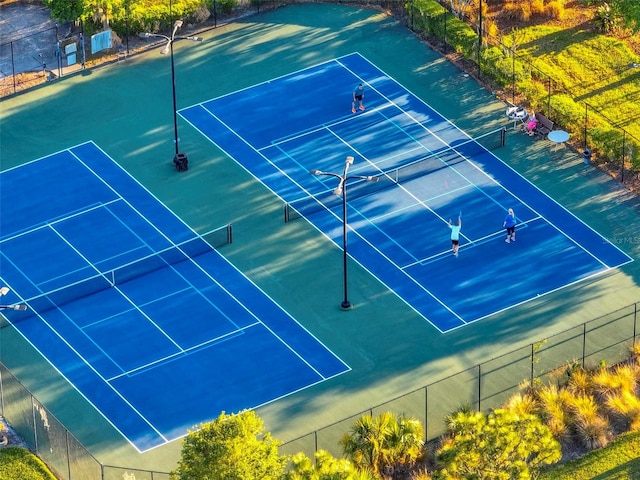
(227, 6)
(511, 11)
(554, 405)
(591, 429)
(524, 11)
(634, 351)
(433, 19)
(579, 382)
(20, 464)
(522, 404)
(623, 378)
(555, 9)
(537, 7)
(625, 406)
(605, 18)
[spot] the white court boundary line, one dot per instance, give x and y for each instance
(369, 111)
(106, 381)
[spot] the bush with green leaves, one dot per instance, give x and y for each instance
(232, 447)
(227, 6)
(20, 464)
(501, 445)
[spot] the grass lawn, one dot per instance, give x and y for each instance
(589, 67)
(621, 460)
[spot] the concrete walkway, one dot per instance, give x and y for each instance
(28, 38)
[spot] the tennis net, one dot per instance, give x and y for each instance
(446, 157)
(173, 255)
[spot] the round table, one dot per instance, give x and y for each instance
(558, 137)
(516, 114)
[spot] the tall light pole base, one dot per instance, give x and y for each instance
(181, 162)
(346, 305)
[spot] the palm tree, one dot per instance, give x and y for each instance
(404, 443)
(385, 440)
(325, 467)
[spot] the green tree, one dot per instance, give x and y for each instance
(326, 467)
(629, 11)
(614, 12)
(232, 447)
(383, 441)
(65, 10)
(502, 445)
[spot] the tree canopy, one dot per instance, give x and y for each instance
(502, 445)
(383, 441)
(232, 447)
(326, 467)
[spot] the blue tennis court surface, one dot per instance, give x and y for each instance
(429, 172)
(150, 323)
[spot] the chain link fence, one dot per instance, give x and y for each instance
(48, 438)
(488, 385)
(606, 339)
(610, 143)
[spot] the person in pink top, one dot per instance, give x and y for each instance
(530, 123)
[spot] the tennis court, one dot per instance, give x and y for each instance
(126, 110)
(429, 172)
(149, 322)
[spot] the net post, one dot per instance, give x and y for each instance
(503, 136)
(286, 213)
(229, 233)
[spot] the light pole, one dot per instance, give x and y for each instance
(341, 189)
(180, 159)
(4, 291)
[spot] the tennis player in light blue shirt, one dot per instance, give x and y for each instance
(455, 235)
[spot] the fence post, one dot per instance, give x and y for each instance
(479, 387)
(513, 75)
(624, 148)
(586, 116)
(444, 40)
(635, 320)
(66, 444)
(584, 342)
(426, 413)
(548, 96)
(480, 39)
(413, 11)
(13, 68)
(532, 363)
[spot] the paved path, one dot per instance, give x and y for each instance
(28, 38)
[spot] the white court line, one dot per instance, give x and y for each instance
(472, 163)
(222, 287)
(476, 242)
(60, 219)
(510, 168)
(464, 134)
(98, 375)
(284, 174)
(96, 372)
(233, 132)
(183, 352)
